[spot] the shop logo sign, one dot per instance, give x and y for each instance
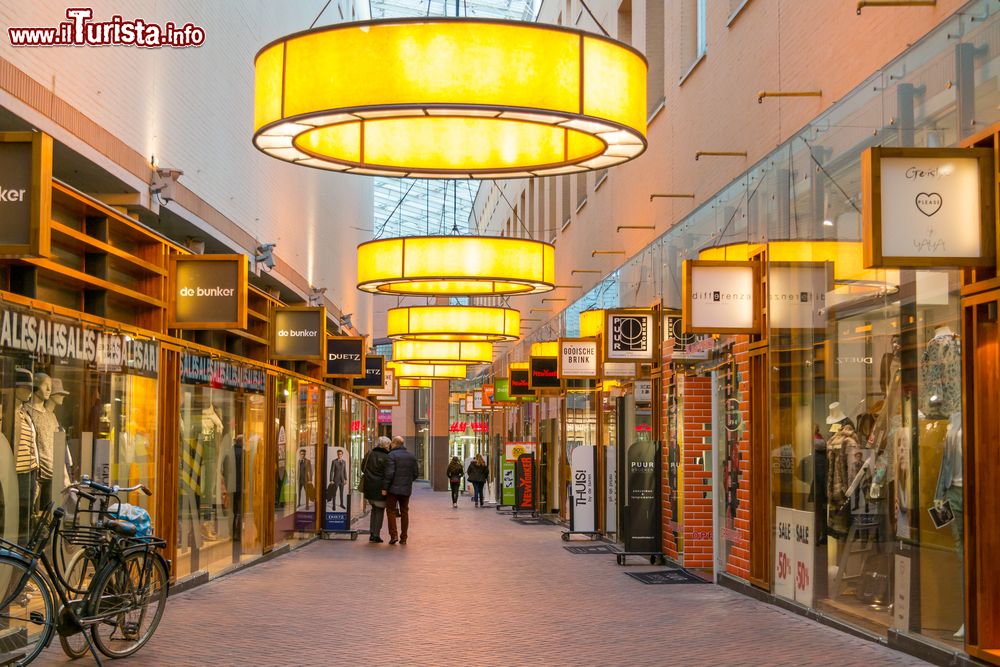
(7, 194)
(929, 203)
(630, 333)
(299, 333)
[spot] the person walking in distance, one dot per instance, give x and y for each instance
(373, 475)
(400, 472)
(478, 474)
(455, 474)
(338, 477)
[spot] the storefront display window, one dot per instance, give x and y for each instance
(74, 400)
(297, 421)
(220, 464)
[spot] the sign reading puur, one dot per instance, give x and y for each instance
(927, 206)
(631, 335)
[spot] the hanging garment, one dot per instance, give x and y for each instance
(941, 375)
(46, 426)
(25, 439)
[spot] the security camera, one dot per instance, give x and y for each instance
(316, 297)
(263, 256)
(163, 181)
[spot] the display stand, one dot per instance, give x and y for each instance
(592, 535)
(655, 557)
(335, 534)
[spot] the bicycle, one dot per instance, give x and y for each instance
(122, 604)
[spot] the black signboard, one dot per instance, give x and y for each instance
(524, 485)
(545, 373)
(520, 382)
(25, 193)
(299, 333)
(642, 507)
(374, 371)
(345, 357)
(207, 292)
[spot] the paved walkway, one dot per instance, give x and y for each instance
(474, 588)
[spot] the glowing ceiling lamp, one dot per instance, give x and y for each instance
(450, 98)
(408, 383)
(428, 371)
(456, 265)
(547, 348)
(592, 323)
(441, 352)
(452, 323)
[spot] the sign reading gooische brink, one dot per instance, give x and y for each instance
(578, 358)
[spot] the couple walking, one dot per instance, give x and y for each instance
(388, 472)
(478, 474)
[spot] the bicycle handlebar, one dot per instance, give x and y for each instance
(112, 490)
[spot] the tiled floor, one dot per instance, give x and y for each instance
(473, 587)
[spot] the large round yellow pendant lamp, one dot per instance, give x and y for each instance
(428, 371)
(408, 383)
(450, 98)
(456, 265)
(442, 352)
(453, 323)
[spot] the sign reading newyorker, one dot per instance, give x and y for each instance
(25, 193)
(583, 510)
(524, 473)
(345, 357)
(578, 358)
(642, 509)
(927, 207)
(207, 292)
(720, 297)
(299, 333)
(545, 373)
(630, 335)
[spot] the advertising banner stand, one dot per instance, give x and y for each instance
(525, 485)
(641, 514)
(336, 511)
(507, 489)
(583, 494)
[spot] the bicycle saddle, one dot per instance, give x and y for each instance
(123, 528)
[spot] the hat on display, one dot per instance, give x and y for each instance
(57, 387)
(836, 414)
(25, 379)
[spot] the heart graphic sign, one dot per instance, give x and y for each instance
(929, 203)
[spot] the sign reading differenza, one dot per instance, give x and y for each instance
(345, 357)
(299, 333)
(720, 297)
(578, 358)
(928, 207)
(207, 292)
(25, 193)
(630, 335)
(374, 372)
(797, 294)
(70, 341)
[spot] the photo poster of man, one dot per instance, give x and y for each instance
(305, 488)
(337, 496)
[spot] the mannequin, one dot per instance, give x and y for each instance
(45, 428)
(941, 374)
(56, 399)
(949, 488)
(26, 451)
(189, 492)
(210, 436)
(836, 418)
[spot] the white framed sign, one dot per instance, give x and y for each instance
(578, 358)
(630, 335)
(926, 207)
(794, 555)
(643, 391)
(797, 294)
(388, 387)
(619, 369)
(721, 297)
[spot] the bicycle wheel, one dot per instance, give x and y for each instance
(26, 610)
(77, 575)
(128, 597)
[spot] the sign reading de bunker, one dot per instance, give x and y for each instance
(25, 193)
(299, 334)
(208, 292)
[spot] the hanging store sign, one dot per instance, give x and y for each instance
(207, 292)
(389, 387)
(520, 383)
(579, 358)
(928, 207)
(41, 336)
(221, 374)
(345, 357)
(618, 369)
(544, 373)
(488, 395)
(374, 372)
(630, 335)
(797, 295)
(673, 329)
(502, 393)
(298, 333)
(25, 194)
(721, 297)
(477, 400)
(524, 490)
(643, 391)
(583, 510)
(642, 509)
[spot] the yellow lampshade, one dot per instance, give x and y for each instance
(441, 352)
(847, 257)
(519, 366)
(456, 265)
(547, 348)
(591, 323)
(450, 98)
(428, 371)
(473, 323)
(408, 383)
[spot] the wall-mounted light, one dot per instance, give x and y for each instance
(316, 297)
(895, 3)
(787, 93)
(670, 195)
(162, 183)
(699, 154)
(621, 227)
(595, 253)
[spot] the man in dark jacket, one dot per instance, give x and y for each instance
(373, 475)
(397, 487)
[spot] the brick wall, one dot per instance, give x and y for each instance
(696, 420)
(738, 563)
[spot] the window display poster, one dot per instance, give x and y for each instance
(610, 489)
(642, 510)
(583, 509)
(631, 335)
(643, 391)
(305, 489)
(794, 555)
(337, 498)
(507, 495)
